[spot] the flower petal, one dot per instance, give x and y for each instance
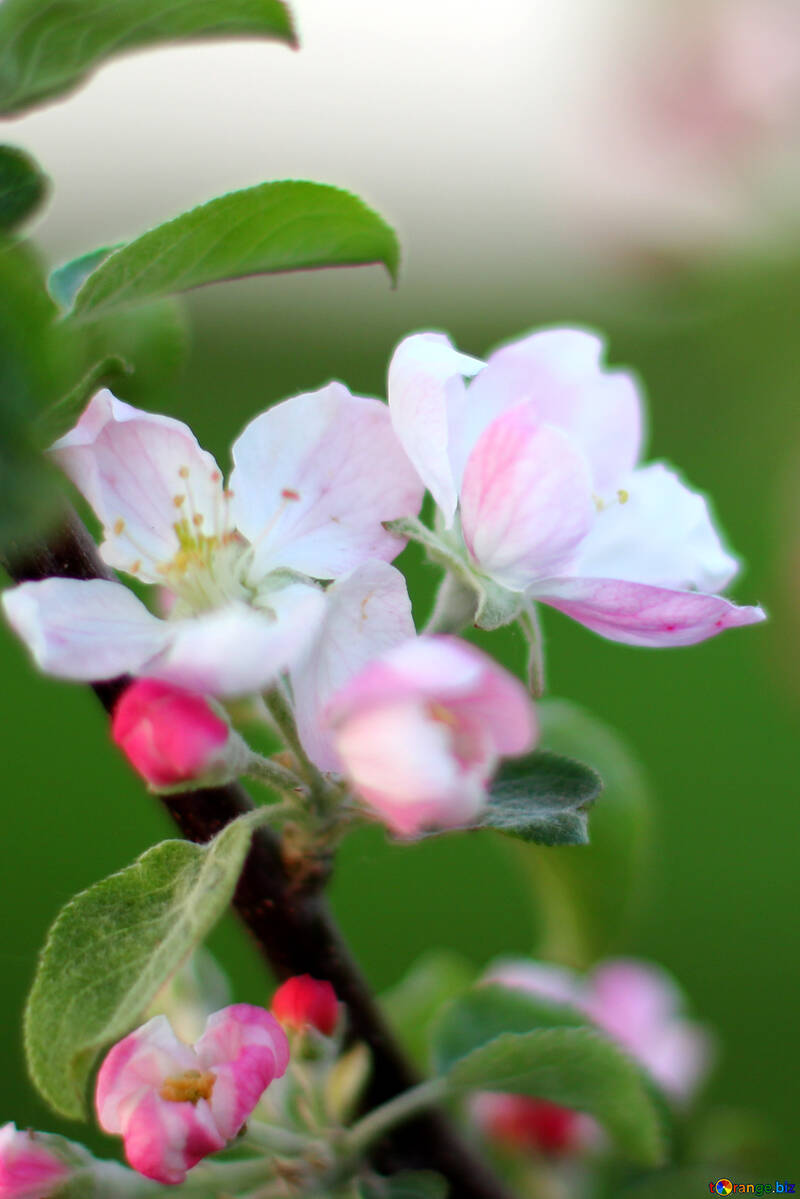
(426, 400)
(638, 614)
(366, 613)
(314, 479)
(164, 1140)
(85, 630)
(238, 650)
(526, 500)
(140, 1061)
(141, 473)
(245, 1048)
(662, 533)
(559, 371)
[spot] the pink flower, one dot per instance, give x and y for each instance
(28, 1169)
(172, 1103)
(168, 734)
(314, 479)
(636, 1003)
(539, 456)
(528, 1124)
(304, 1002)
(420, 730)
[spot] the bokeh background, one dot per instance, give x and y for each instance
(631, 165)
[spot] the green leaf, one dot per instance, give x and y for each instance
(60, 417)
(66, 281)
(543, 798)
(576, 1068)
(111, 949)
(489, 1010)
(410, 1184)
(413, 1004)
(49, 47)
(23, 187)
(273, 227)
(587, 899)
(667, 1184)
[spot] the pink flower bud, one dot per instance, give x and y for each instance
(304, 1002)
(173, 1103)
(420, 731)
(168, 734)
(28, 1170)
(528, 1124)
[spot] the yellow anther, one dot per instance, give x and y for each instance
(178, 500)
(135, 567)
(119, 525)
(442, 714)
(623, 496)
(189, 1087)
(197, 519)
(184, 472)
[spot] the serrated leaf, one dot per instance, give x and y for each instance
(410, 1184)
(489, 1010)
(111, 949)
(576, 1068)
(274, 227)
(49, 47)
(542, 797)
(66, 281)
(415, 1002)
(23, 188)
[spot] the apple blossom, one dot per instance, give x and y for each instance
(304, 1002)
(534, 469)
(170, 735)
(29, 1169)
(421, 728)
(173, 1104)
(532, 1124)
(313, 480)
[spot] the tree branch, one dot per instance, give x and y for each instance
(286, 912)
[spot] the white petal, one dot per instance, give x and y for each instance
(560, 372)
(238, 650)
(141, 473)
(366, 613)
(662, 535)
(86, 630)
(314, 479)
(526, 501)
(426, 399)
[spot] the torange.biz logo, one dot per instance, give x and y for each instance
(724, 1186)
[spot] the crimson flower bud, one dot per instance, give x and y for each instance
(168, 734)
(304, 1002)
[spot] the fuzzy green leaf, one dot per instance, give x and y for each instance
(111, 949)
(576, 1068)
(274, 227)
(49, 47)
(23, 188)
(543, 798)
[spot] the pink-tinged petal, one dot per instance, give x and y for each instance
(169, 735)
(164, 1140)
(315, 477)
(427, 401)
(555, 983)
(245, 1048)
(84, 630)
(28, 1170)
(526, 500)
(657, 531)
(238, 650)
(136, 1064)
(141, 473)
(560, 372)
(366, 613)
(641, 615)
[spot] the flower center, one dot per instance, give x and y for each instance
(189, 1087)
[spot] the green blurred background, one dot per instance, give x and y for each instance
(716, 725)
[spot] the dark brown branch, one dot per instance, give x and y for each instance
(289, 919)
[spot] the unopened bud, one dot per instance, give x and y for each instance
(28, 1167)
(304, 1002)
(170, 735)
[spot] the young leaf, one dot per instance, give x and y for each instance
(410, 1184)
(285, 226)
(576, 1068)
(23, 187)
(487, 1011)
(49, 47)
(111, 949)
(544, 798)
(66, 281)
